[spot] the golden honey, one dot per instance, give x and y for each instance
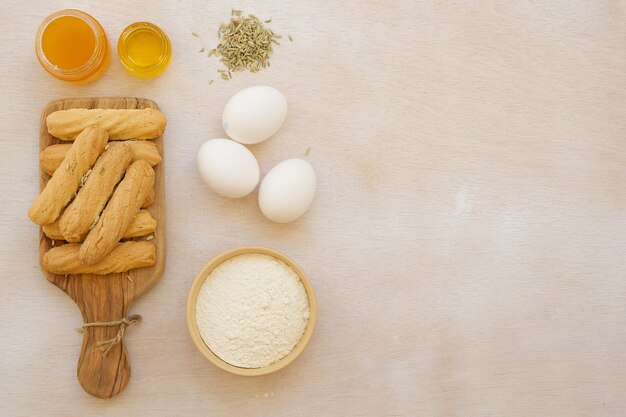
(144, 49)
(72, 46)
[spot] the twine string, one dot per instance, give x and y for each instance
(105, 346)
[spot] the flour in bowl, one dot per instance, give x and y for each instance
(252, 310)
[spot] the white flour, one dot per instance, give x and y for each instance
(252, 310)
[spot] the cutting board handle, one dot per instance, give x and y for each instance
(102, 376)
(101, 299)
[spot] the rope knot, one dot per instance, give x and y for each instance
(105, 346)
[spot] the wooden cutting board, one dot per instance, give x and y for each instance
(104, 298)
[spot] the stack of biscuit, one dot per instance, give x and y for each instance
(96, 197)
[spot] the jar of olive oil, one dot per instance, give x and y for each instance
(144, 49)
(72, 46)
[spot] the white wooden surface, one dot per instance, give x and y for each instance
(466, 243)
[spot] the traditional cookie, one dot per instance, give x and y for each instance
(119, 213)
(83, 212)
(149, 199)
(52, 156)
(64, 259)
(64, 183)
(121, 123)
(143, 224)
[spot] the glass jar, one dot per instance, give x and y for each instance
(144, 49)
(72, 46)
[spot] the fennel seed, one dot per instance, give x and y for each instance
(245, 44)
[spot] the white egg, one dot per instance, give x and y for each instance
(287, 190)
(254, 114)
(228, 167)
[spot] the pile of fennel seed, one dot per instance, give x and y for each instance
(245, 44)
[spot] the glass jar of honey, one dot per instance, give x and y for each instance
(144, 49)
(72, 46)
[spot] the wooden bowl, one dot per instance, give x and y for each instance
(195, 332)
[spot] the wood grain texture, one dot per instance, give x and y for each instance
(105, 298)
(466, 242)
